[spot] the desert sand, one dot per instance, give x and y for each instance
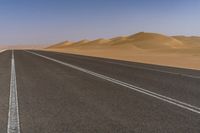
(151, 48)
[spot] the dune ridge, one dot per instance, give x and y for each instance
(140, 40)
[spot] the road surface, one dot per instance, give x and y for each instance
(48, 92)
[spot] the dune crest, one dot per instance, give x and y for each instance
(154, 41)
(140, 40)
(60, 45)
(79, 43)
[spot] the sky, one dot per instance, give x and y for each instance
(51, 21)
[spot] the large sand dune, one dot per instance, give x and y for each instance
(153, 48)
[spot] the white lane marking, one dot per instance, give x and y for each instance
(13, 114)
(135, 88)
(144, 68)
(1, 51)
(152, 69)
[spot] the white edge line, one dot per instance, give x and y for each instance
(1, 51)
(151, 69)
(145, 68)
(13, 114)
(135, 88)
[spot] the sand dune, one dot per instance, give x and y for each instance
(99, 43)
(155, 41)
(153, 48)
(60, 45)
(140, 40)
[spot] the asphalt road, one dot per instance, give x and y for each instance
(65, 93)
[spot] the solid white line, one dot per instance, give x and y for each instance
(1, 51)
(144, 68)
(135, 88)
(157, 70)
(13, 114)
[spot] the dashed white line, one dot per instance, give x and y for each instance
(13, 114)
(135, 88)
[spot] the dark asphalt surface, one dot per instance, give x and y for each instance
(54, 98)
(176, 86)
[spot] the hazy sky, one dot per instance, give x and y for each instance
(50, 21)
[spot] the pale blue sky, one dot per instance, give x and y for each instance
(50, 21)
